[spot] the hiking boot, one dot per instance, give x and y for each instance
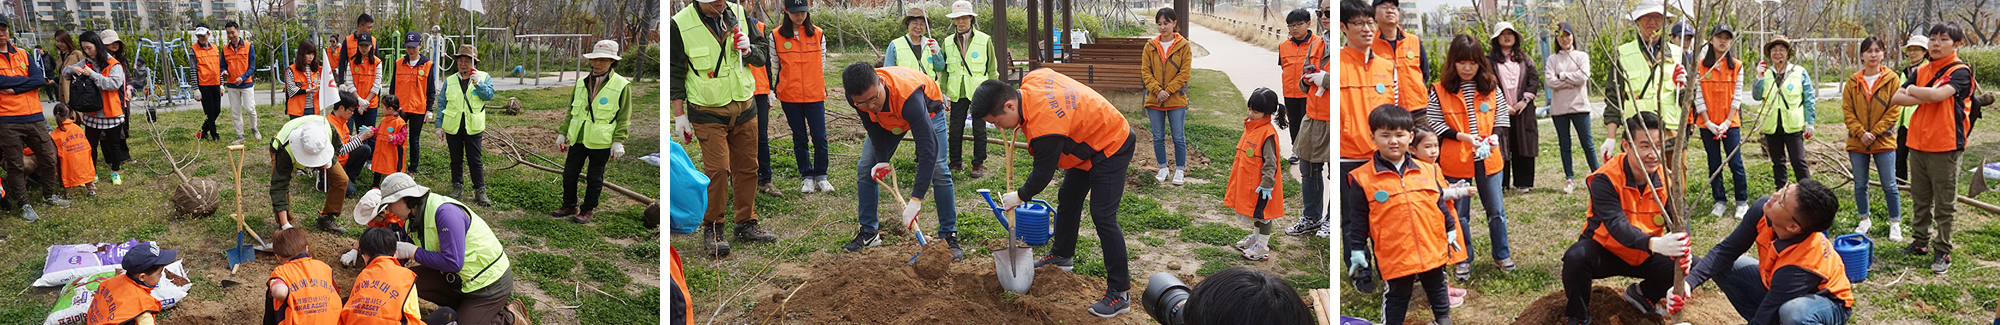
(1916, 249)
(978, 171)
(28, 213)
(1941, 263)
(58, 201)
(713, 234)
(520, 312)
(481, 198)
(1060, 262)
(748, 231)
(951, 238)
(863, 239)
(1305, 226)
(1446, 320)
(770, 190)
(563, 212)
(1632, 296)
(457, 190)
(330, 224)
(1111, 305)
(583, 217)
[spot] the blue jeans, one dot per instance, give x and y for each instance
(1744, 287)
(1176, 119)
(1730, 143)
(808, 121)
(941, 188)
(1581, 123)
(1496, 212)
(1885, 165)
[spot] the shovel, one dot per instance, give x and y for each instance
(1014, 264)
(242, 253)
(911, 224)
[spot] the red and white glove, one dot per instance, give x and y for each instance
(910, 211)
(932, 44)
(881, 170)
(1680, 75)
(1674, 244)
(742, 43)
(1605, 151)
(1676, 301)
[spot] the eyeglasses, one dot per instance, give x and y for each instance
(1296, 24)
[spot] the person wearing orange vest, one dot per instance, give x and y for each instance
(1398, 204)
(1625, 233)
(302, 94)
(681, 301)
(893, 101)
(1796, 277)
(415, 85)
(1255, 191)
(385, 292)
(357, 67)
(1721, 124)
(239, 60)
(73, 152)
(801, 84)
(1365, 79)
(301, 289)
(762, 99)
(106, 128)
(1299, 55)
(356, 143)
(128, 297)
(207, 60)
(1466, 118)
(1166, 66)
(1942, 91)
(1406, 53)
(1072, 129)
(391, 135)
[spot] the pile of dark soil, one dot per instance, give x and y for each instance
(878, 286)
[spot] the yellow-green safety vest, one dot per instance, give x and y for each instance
(1786, 102)
(904, 57)
(593, 120)
(461, 106)
(716, 75)
(485, 260)
(1651, 91)
(963, 73)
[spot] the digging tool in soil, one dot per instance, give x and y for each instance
(908, 224)
(242, 253)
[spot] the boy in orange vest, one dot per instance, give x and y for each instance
(128, 298)
(1403, 215)
(72, 153)
(1255, 190)
(1796, 278)
(301, 289)
(1626, 231)
(385, 292)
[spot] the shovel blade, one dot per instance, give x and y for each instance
(1016, 267)
(241, 253)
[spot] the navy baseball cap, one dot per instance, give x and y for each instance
(413, 39)
(146, 256)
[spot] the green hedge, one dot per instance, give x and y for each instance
(1985, 63)
(848, 27)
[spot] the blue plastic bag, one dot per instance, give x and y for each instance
(688, 196)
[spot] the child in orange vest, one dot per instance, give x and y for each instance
(73, 153)
(301, 289)
(1426, 147)
(1399, 205)
(385, 292)
(1255, 189)
(390, 135)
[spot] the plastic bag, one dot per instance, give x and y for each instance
(689, 195)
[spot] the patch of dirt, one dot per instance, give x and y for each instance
(1607, 307)
(874, 287)
(243, 304)
(934, 263)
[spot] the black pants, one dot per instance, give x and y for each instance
(959, 109)
(33, 135)
(465, 149)
(763, 103)
(360, 156)
(1588, 260)
(362, 117)
(415, 122)
(1396, 300)
(1783, 148)
(1295, 112)
(108, 145)
(484, 306)
(1902, 155)
(579, 158)
(1104, 184)
(211, 105)
(1520, 171)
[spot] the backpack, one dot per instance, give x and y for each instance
(84, 94)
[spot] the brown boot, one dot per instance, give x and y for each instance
(520, 312)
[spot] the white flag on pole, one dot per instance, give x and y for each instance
(473, 5)
(328, 92)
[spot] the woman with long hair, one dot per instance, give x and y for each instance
(1519, 80)
(801, 92)
(302, 94)
(1467, 123)
(105, 128)
(1569, 80)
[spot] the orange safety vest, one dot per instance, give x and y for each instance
(1642, 210)
(18, 104)
(1814, 254)
(239, 59)
(312, 299)
(120, 299)
(1363, 86)
(363, 74)
(1941, 126)
(897, 85)
(1718, 93)
(1246, 173)
(207, 65)
(801, 76)
(1404, 219)
(1454, 155)
(306, 78)
(379, 294)
(1053, 104)
(761, 74)
(412, 85)
(1292, 59)
(1406, 88)
(73, 150)
(114, 105)
(340, 133)
(388, 157)
(681, 293)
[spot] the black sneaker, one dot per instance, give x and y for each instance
(1111, 305)
(1915, 249)
(1063, 263)
(1639, 301)
(1363, 281)
(1941, 263)
(951, 238)
(748, 231)
(863, 239)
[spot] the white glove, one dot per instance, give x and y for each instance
(684, 128)
(742, 43)
(1673, 244)
(1317, 80)
(348, 87)
(1451, 236)
(1481, 150)
(349, 258)
(405, 250)
(562, 141)
(910, 210)
(1356, 261)
(932, 44)
(197, 96)
(1604, 151)
(617, 149)
(366, 129)
(1456, 192)
(1010, 200)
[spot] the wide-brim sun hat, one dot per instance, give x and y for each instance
(399, 186)
(1503, 27)
(604, 49)
(961, 8)
(366, 208)
(310, 145)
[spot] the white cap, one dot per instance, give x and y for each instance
(1919, 41)
(1504, 26)
(605, 49)
(311, 145)
(201, 31)
(961, 8)
(1647, 7)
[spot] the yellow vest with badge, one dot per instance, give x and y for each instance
(464, 112)
(593, 120)
(716, 76)
(1649, 88)
(964, 72)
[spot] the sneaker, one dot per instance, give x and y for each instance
(1896, 232)
(770, 190)
(1915, 249)
(713, 234)
(1506, 264)
(1457, 296)
(239, 140)
(1305, 226)
(583, 217)
(28, 213)
(951, 238)
(748, 231)
(978, 171)
(329, 224)
(1324, 232)
(1633, 297)
(1162, 175)
(116, 179)
(824, 186)
(1245, 243)
(58, 201)
(1941, 263)
(1720, 208)
(1866, 223)
(1180, 176)
(1742, 207)
(1259, 250)
(1111, 305)
(563, 212)
(807, 186)
(1463, 271)
(1063, 263)
(1569, 186)
(863, 239)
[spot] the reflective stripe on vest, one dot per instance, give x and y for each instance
(119, 299)
(380, 292)
(1455, 156)
(1642, 211)
(898, 83)
(1403, 216)
(412, 86)
(1651, 91)
(1246, 173)
(716, 75)
(312, 300)
(1784, 101)
(801, 66)
(1814, 254)
(208, 65)
(484, 259)
(593, 120)
(1053, 104)
(964, 71)
(461, 106)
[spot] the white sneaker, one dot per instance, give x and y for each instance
(1569, 186)
(1866, 223)
(825, 186)
(1246, 242)
(1720, 208)
(1162, 176)
(807, 186)
(1325, 231)
(1180, 176)
(1741, 208)
(1896, 232)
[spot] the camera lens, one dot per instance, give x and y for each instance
(1165, 296)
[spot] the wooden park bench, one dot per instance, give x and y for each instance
(1107, 64)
